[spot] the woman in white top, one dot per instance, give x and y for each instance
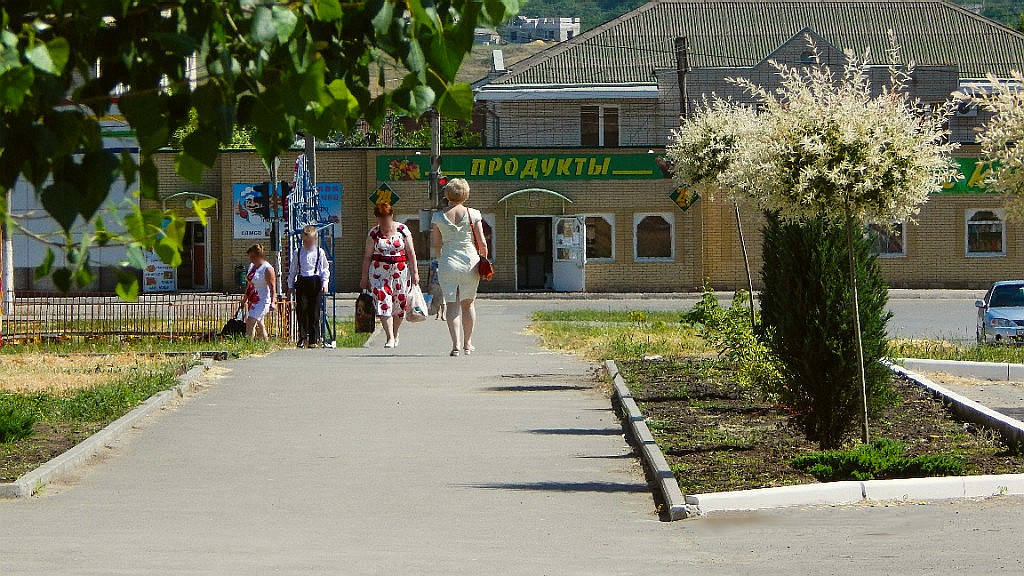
(260, 292)
(458, 253)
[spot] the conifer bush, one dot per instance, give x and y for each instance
(805, 311)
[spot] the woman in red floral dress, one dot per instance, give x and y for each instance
(389, 270)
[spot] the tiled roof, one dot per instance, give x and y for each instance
(732, 33)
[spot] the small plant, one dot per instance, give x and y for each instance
(881, 459)
(15, 423)
(728, 331)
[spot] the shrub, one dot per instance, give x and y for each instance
(806, 307)
(729, 331)
(879, 460)
(15, 423)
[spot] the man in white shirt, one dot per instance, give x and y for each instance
(308, 277)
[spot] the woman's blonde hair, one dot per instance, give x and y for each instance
(255, 249)
(457, 190)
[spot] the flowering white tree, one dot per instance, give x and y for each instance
(824, 145)
(1002, 136)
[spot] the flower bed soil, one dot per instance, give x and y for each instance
(718, 436)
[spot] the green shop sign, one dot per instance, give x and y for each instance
(525, 167)
(972, 178)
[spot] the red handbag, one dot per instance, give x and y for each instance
(485, 267)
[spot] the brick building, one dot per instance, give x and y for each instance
(572, 182)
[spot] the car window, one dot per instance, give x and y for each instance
(1007, 295)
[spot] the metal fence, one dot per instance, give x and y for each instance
(42, 316)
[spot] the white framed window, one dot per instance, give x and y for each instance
(654, 238)
(600, 237)
(889, 240)
(985, 232)
(599, 126)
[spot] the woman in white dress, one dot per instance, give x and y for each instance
(458, 253)
(260, 292)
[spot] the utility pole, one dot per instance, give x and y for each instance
(8, 258)
(682, 69)
(275, 222)
(310, 143)
(435, 159)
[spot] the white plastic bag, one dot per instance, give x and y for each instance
(417, 306)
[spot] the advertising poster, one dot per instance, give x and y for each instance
(249, 207)
(157, 276)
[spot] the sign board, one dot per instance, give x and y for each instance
(684, 198)
(528, 167)
(250, 209)
(158, 276)
(384, 195)
(972, 178)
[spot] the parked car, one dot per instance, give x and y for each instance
(1001, 313)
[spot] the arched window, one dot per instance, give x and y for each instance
(601, 237)
(889, 240)
(654, 237)
(986, 233)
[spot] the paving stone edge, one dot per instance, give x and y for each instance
(78, 455)
(833, 493)
(676, 507)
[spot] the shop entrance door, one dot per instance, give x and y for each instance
(194, 273)
(533, 253)
(570, 254)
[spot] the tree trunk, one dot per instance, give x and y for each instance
(746, 263)
(865, 437)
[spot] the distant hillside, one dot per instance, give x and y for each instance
(594, 12)
(1007, 12)
(590, 12)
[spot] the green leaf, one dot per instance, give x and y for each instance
(136, 256)
(263, 25)
(62, 279)
(284, 22)
(60, 201)
(188, 167)
(384, 18)
(59, 51)
(39, 56)
(327, 10)
(416, 62)
(456, 101)
(99, 172)
(43, 270)
(15, 85)
(497, 11)
(127, 285)
(201, 206)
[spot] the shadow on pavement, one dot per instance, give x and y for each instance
(536, 388)
(602, 487)
(578, 431)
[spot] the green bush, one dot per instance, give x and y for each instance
(807, 312)
(879, 460)
(729, 331)
(15, 423)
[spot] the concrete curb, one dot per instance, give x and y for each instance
(829, 493)
(676, 505)
(78, 455)
(1011, 429)
(996, 371)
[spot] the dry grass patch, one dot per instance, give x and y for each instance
(31, 373)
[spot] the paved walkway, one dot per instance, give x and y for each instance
(504, 462)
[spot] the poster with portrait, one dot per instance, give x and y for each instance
(250, 205)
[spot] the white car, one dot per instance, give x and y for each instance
(1001, 313)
